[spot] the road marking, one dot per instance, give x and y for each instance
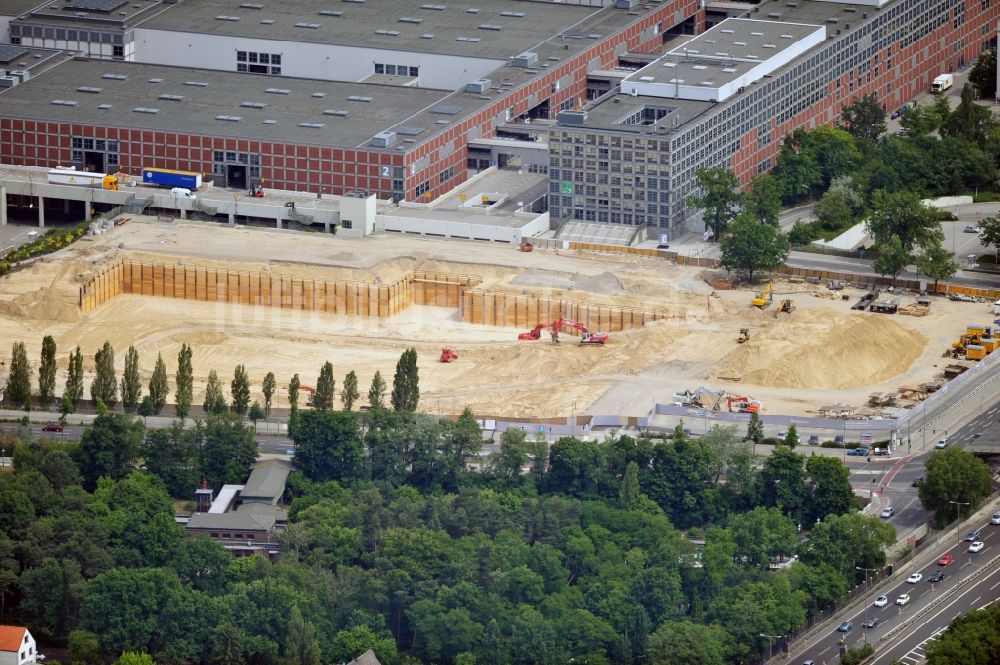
(994, 586)
(917, 653)
(824, 651)
(976, 600)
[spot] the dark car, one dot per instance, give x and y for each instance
(845, 627)
(972, 535)
(916, 481)
(895, 114)
(858, 452)
(663, 246)
(871, 623)
(936, 576)
(52, 427)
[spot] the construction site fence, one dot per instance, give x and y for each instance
(500, 308)
(875, 425)
(272, 290)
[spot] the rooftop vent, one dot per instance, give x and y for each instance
(487, 26)
(410, 19)
(384, 139)
(436, 8)
(196, 84)
(172, 98)
(427, 35)
(115, 77)
(143, 109)
(319, 125)
(86, 88)
(64, 102)
(269, 122)
(310, 26)
(228, 118)
(277, 91)
(335, 112)
(525, 60)
(513, 14)
(156, 80)
(251, 5)
(572, 117)
(359, 98)
(105, 107)
(479, 86)
(253, 105)
(387, 33)
(330, 12)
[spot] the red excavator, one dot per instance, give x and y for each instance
(534, 333)
(586, 336)
(743, 404)
(448, 354)
(311, 400)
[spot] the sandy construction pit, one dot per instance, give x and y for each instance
(820, 354)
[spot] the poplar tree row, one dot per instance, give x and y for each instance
(106, 387)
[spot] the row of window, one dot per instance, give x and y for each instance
(396, 70)
(41, 32)
(254, 62)
(226, 534)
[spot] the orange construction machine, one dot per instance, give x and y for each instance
(448, 354)
(587, 337)
(743, 404)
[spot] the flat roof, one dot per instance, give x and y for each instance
(500, 28)
(610, 113)
(16, 7)
(217, 103)
(553, 30)
(726, 52)
(92, 13)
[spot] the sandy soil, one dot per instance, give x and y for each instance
(819, 354)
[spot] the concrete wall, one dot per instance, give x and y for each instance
(327, 62)
(498, 308)
(448, 229)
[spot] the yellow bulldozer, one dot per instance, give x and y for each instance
(763, 299)
(744, 336)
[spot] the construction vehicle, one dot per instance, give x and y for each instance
(448, 355)
(534, 333)
(786, 306)
(743, 404)
(744, 336)
(706, 398)
(526, 246)
(311, 399)
(587, 337)
(256, 192)
(763, 299)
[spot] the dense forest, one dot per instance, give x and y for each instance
(402, 539)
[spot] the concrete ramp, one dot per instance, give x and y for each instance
(592, 232)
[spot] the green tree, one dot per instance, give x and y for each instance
(782, 482)
(983, 74)
(864, 119)
(833, 211)
(215, 401)
(512, 456)
(240, 390)
(720, 197)
(84, 648)
(302, 647)
(65, 408)
(971, 639)
(109, 447)
(349, 393)
(682, 479)
(74, 377)
(328, 446)
(104, 386)
(762, 535)
(269, 387)
(227, 646)
(902, 215)
(47, 370)
(185, 382)
(462, 441)
(687, 642)
(228, 448)
(134, 658)
(989, 234)
(792, 436)
(256, 412)
(628, 496)
(172, 455)
(755, 429)
(376, 391)
(351, 643)
(936, 263)
(158, 386)
(848, 542)
(17, 392)
(293, 391)
(131, 382)
(763, 201)
(969, 120)
(750, 246)
(147, 408)
(953, 475)
(325, 388)
(405, 383)
(822, 585)
(892, 257)
(829, 487)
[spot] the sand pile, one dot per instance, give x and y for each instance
(824, 349)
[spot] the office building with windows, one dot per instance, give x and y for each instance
(727, 97)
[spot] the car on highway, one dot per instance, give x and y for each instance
(52, 427)
(972, 536)
(888, 512)
(881, 601)
(970, 229)
(914, 578)
(946, 559)
(871, 623)
(941, 444)
(976, 546)
(808, 662)
(813, 439)
(936, 576)
(995, 519)
(845, 627)
(916, 481)
(903, 599)
(858, 452)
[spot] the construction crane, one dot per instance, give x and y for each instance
(763, 299)
(744, 336)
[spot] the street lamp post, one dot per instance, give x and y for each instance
(958, 534)
(770, 644)
(867, 571)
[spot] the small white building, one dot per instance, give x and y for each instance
(17, 646)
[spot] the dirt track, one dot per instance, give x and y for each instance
(820, 354)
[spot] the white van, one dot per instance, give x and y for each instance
(941, 444)
(996, 307)
(182, 193)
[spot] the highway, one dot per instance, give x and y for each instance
(825, 647)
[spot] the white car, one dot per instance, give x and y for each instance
(914, 578)
(995, 519)
(903, 599)
(881, 601)
(971, 229)
(976, 546)
(888, 512)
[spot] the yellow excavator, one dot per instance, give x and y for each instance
(763, 299)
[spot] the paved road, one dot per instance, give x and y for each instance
(825, 647)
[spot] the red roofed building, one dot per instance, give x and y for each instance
(17, 646)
